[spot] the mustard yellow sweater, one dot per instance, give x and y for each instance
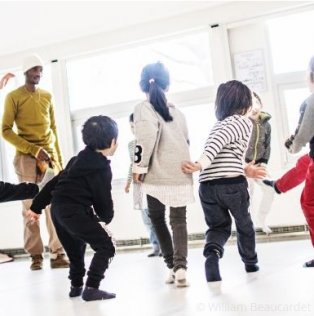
(33, 115)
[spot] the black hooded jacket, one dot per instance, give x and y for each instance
(86, 180)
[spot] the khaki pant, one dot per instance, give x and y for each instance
(25, 168)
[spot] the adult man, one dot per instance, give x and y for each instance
(36, 143)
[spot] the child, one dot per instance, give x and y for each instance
(259, 152)
(80, 201)
(223, 186)
(138, 197)
(14, 192)
(162, 143)
(304, 135)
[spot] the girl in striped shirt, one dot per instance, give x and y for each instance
(223, 186)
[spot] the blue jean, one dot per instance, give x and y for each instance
(219, 202)
(151, 230)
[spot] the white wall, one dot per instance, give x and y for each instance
(127, 223)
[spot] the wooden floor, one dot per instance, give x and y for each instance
(281, 287)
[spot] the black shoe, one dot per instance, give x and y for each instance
(212, 267)
(272, 183)
(251, 268)
(309, 264)
(160, 254)
(153, 254)
(92, 294)
(75, 291)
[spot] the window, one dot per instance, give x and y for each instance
(200, 120)
(291, 41)
(114, 77)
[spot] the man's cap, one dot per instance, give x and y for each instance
(31, 61)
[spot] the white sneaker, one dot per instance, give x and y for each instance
(5, 258)
(171, 277)
(180, 278)
(266, 229)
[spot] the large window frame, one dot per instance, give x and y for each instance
(120, 110)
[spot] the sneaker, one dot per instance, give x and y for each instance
(309, 264)
(249, 268)
(153, 254)
(266, 229)
(75, 291)
(180, 278)
(5, 258)
(37, 262)
(92, 294)
(59, 262)
(171, 277)
(212, 267)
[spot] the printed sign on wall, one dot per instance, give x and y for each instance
(250, 69)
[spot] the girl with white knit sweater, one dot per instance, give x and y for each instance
(161, 144)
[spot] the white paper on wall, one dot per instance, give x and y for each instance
(250, 69)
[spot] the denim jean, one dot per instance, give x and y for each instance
(174, 248)
(219, 202)
(151, 230)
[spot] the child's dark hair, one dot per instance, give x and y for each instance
(131, 118)
(257, 97)
(99, 131)
(154, 80)
(233, 97)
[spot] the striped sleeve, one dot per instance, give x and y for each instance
(225, 148)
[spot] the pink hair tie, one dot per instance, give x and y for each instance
(151, 80)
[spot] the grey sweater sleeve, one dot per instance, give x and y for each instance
(305, 129)
(146, 132)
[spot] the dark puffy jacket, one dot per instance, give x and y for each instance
(259, 146)
(86, 181)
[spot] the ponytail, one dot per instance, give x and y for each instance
(154, 81)
(158, 100)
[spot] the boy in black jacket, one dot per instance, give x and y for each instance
(80, 198)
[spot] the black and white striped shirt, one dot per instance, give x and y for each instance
(225, 148)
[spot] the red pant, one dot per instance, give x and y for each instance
(294, 176)
(307, 199)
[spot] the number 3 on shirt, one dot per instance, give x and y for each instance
(138, 154)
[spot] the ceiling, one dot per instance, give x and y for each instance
(29, 24)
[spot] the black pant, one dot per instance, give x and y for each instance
(174, 249)
(76, 226)
(218, 201)
(13, 192)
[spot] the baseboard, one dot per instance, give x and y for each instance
(279, 233)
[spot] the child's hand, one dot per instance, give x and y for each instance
(4, 80)
(255, 171)
(34, 217)
(127, 188)
(137, 178)
(190, 167)
(289, 141)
